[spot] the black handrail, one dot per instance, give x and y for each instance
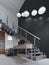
(29, 33)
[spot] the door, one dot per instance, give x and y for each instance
(2, 42)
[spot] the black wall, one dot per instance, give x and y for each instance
(38, 25)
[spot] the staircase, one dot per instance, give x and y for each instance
(34, 53)
(39, 55)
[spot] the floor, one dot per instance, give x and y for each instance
(43, 61)
(13, 61)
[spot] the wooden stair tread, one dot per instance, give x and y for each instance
(40, 56)
(37, 53)
(24, 59)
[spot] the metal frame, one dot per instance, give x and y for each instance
(35, 37)
(29, 33)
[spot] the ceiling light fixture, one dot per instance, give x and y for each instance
(9, 38)
(22, 14)
(26, 13)
(34, 13)
(42, 10)
(18, 15)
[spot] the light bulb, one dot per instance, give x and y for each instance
(18, 15)
(42, 10)
(9, 37)
(34, 13)
(23, 14)
(26, 13)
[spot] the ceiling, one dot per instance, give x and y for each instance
(13, 5)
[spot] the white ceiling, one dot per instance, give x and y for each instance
(10, 8)
(13, 5)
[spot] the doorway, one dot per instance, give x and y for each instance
(2, 42)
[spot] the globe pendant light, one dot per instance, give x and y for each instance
(42, 10)
(34, 13)
(22, 14)
(18, 15)
(26, 13)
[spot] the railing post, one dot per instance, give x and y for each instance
(34, 48)
(25, 43)
(26, 36)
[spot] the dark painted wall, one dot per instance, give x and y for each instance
(38, 25)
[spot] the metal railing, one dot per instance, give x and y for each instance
(35, 39)
(29, 33)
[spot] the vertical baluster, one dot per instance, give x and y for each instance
(26, 41)
(26, 36)
(34, 48)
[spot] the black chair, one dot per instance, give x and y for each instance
(21, 42)
(10, 52)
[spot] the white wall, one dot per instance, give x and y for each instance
(4, 12)
(15, 40)
(10, 44)
(10, 8)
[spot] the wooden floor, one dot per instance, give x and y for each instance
(24, 59)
